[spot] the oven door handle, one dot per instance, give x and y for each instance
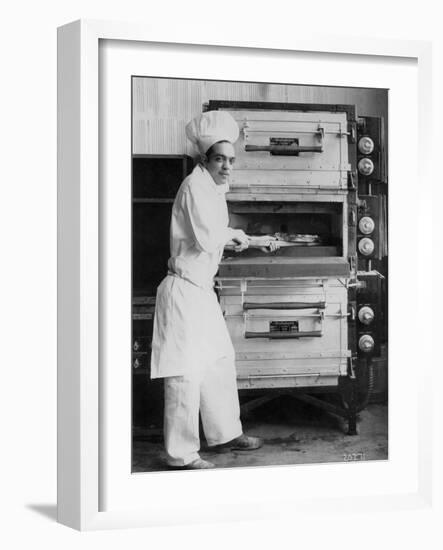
(284, 305)
(284, 335)
(285, 149)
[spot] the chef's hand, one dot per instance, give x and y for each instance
(271, 246)
(241, 240)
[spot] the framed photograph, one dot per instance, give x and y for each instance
(303, 287)
(308, 320)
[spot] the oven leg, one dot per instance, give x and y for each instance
(352, 411)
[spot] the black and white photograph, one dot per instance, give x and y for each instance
(259, 274)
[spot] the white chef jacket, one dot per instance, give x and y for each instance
(189, 327)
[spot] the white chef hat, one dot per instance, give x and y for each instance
(210, 127)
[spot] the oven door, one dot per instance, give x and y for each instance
(287, 333)
(291, 152)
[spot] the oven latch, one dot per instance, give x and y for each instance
(352, 175)
(350, 134)
(351, 368)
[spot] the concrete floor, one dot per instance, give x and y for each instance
(293, 433)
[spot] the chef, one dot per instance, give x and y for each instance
(191, 346)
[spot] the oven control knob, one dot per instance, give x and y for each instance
(366, 315)
(366, 246)
(366, 225)
(365, 145)
(366, 343)
(365, 166)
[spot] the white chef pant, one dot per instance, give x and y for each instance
(212, 390)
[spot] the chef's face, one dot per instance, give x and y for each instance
(219, 161)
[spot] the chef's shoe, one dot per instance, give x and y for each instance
(197, 464)
(246, 443)
(241, 443)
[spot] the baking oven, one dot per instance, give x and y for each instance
(304, 317)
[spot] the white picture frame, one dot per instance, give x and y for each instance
(80, 391)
